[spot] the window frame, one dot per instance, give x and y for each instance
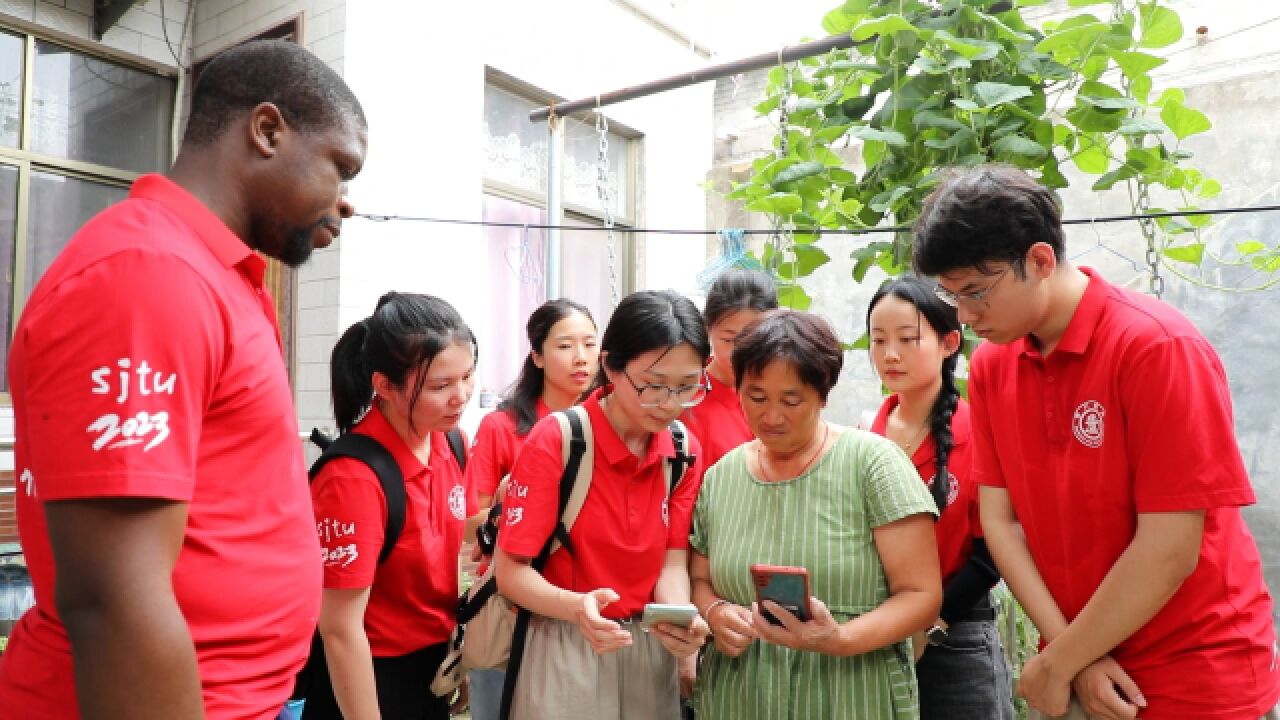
(28, 161)
(628, 245)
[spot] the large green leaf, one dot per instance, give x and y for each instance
(1021, 146)
(1192, 254)
(777, 204)
(1160, 26)
(990, 94)
(1092, 157)
(1075, 41)
(797, 172)
(1184, 121)
(842, 19)
(794, 297)
(1250, 247)
(889, 137)
(807, 258)
(887, 25)
(1135, 64)
(1142, 126)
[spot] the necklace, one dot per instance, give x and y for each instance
(826, 429)
(913, 442)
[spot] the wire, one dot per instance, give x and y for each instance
(816, 231)
(164, 27)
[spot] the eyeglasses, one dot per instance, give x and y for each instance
(973, 300)
(654, 395)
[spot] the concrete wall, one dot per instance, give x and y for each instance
(1233, 75)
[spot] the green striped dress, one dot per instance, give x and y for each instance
(822, 521)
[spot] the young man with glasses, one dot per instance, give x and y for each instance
(1111, 477)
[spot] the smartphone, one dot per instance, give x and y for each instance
(679, 615)
(785, 585)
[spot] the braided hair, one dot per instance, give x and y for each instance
(942, 318)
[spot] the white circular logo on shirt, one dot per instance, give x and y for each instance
(953, 486)
(1087, 423)
(458, 502)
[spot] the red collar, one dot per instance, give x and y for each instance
(225, 245)
(928, 449)
(1084, 321)
(609, 444)
(375, 425)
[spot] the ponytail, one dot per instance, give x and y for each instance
(350, 380)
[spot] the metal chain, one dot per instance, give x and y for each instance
(606, 205)
(1156, 285)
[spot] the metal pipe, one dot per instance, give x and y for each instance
(701, 75)
(555, 205)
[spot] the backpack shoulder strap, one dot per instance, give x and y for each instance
(577, 453)
(677, 465)
(459, 447)
(379, 459)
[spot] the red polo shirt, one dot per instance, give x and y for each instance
(147, 364)
(415, 592)
(626, 525)
(1131, 413)
(718, 422)
(958, 524)
(494, 452)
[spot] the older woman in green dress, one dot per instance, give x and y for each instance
(844, 504)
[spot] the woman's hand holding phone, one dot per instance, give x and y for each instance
(732, 628)
(814, 635)
(681, 642)
(605, 635)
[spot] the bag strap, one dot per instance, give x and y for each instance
(384, 465)
(577, 455)
(458, 445)
(575, 481)
(682, 461)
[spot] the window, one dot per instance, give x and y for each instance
(515, 186)
(75, 131)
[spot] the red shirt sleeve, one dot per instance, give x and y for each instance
(1179, 431)
(351, 520)
(125, 356)
(680, 506)
(491, 455)
(984, 462)
(533, 492)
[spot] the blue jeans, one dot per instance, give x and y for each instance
(485, 691)
(966, 678)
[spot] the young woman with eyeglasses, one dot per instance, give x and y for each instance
(585, 656)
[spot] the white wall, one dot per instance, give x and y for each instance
(420, 74)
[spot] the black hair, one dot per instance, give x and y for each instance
(943, 320)
(739, 289)
(803, 340)
(521, 400)
(309, 94)
(983, 214)
(405, 332)
(649, 320)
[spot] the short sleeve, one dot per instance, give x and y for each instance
(351, 521)
(680, 506)
(532, 502)
(491, 455)
(118, 365)
(984, 464)
(1179, 431)
(891, 486)
(700, 529)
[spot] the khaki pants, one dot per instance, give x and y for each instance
(562, 678)
(1077, 713)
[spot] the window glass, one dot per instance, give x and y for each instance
(12, 52)
(59, 206)
(95, 111)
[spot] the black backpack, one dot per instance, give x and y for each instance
(379, 459)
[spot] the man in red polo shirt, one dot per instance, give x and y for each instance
(163, 506)
(1112, 482)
